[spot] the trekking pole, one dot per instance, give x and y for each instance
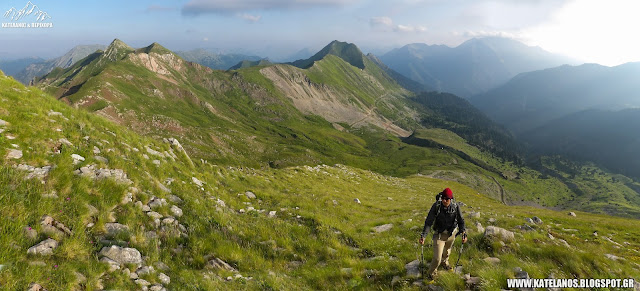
(460, 252)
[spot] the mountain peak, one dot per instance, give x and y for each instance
(349, 52)
(117, 50)
(156, 48)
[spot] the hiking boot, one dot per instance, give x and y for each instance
(447, 267)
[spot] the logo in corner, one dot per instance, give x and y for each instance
(29, 12)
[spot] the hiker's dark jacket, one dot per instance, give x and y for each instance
(447, 219)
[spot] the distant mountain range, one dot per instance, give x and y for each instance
(471, 68)
(44, 67)
(215, 60)
(12, 67)
(532, 99)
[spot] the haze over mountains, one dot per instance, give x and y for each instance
(471, 68)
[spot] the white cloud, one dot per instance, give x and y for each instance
(409, 28)
(483, 33)
(196, 7)
(249, 17)
(386, 23)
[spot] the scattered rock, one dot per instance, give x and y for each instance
(492, 220)
(536, 220)
(413, 269)
(472, 281)
(175, 210)
(356, 200)
(492, 260)
(30, 233)
(197, 182)
(612, 257)
(128, 197)
(51, 226)
(383, 228)
(77, 158)
(528, 220)
(473, 215)
(164, 279)
(479, 227)
(250, 195)
(14, 154)
(114, 229)
(122, 255)
(40, 173)
(101, 159)
(216, 263)
(175, 199)
(572, 214)
(142, 282)
(45, 247)
(161, 266)
(66, 142)
(157, 202)
(36, 287)
(113, 265)
(494, 231)
(272, 213)
(145, 270)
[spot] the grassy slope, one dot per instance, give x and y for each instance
(333, 242)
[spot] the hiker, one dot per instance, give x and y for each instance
(447, 222)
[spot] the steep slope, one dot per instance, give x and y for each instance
(471, 68)
(607, 138)
(120, 211)
(532, 99)
(349, 52)
(249, 64)
(214, 60)
(228, 117)
(67, 60)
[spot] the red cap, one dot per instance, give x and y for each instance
(447, 193)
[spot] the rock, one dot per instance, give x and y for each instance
(216, 263)
(175, 199)
(272, 214)
(36, 287)
(494, 231)
(472, 281)
(157, 287)
(14, 154)
(458, 270)
(395, 280)
(564, 243)
(101, 159)
(29, 232)
(572, 214)
(356, 200)
(175, 210)
(122, 255)
(45, 247)
(492, 260)
(536, 220)
(525, 227)
(142, 282)
(612, 257)
(113, 265)
(550, 236)
(413, 269)
(528, 220)
(3, 123)
(51, 226)
(145, 270)
(77, 158)
(161, 266)
(80, 278)
(197, 182)
(65, 141)
(492, 220)
(250, 195)
(473, 215)
(114, 229)
(157, 202)
(479, 227)
(154, 215)
(383, 228)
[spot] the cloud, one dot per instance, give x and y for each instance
(197, 7)
(249, 17)
(385, 23)
(381, 21)
(483, 33)
(409, 28)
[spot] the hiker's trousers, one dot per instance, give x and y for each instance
(442, 243)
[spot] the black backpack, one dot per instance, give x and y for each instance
(439, 204)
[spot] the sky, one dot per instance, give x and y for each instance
(593, 31)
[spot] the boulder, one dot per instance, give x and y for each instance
(536, 220)
(176, 211)
(497, 232)
(250, 195)
(14, 154)
(356, 200)
(122, 255)
(114, 229)
(413, 269)
(383, 228)
(36, 287)
(164, 279)
(216, 263)
(572, 214)
(45, 247)
(492, 260)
